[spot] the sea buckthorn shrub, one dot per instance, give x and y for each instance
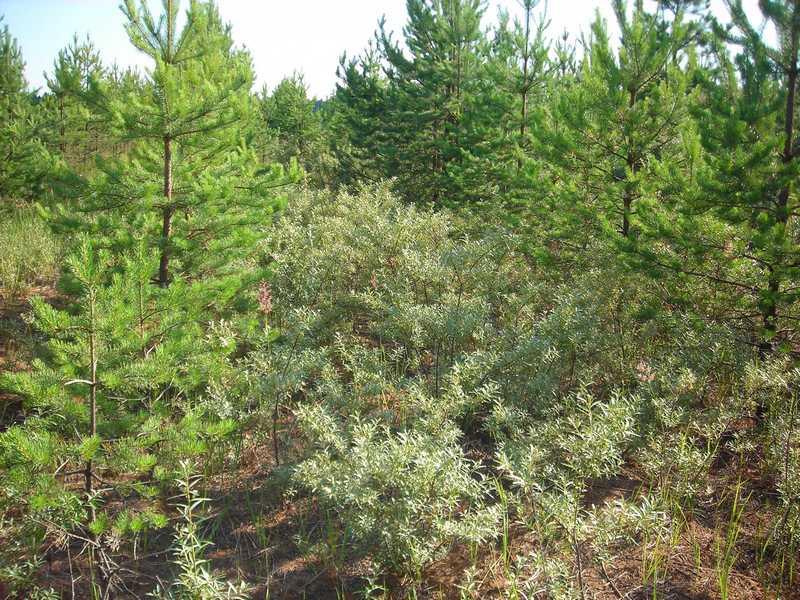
(427, 388)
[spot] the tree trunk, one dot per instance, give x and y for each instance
(770, 311)
(525, 84)
(62, 146)
(166, 215)
(88, 473)
(89, 468)
(626, 213)
(633, 166)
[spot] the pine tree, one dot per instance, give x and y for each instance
(531, 52)
(67, 398)
(120, 83)
(737, 205)
(441, 113)
(293, 125)
(358, 114)
(75, 131)
(428, 95)
(499, 166)
(104, 399)
(23, 160)
(625, 110)
(524, 53)
(187, 128)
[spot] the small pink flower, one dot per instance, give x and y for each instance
(644, 373)
(265, 297)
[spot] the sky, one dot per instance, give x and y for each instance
(283, 36)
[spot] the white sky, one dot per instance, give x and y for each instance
(283, 35)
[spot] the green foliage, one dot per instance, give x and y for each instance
(106, 396)
(413, 338)
(75, 129)
(382, 441)
(430, 120)
(618, 117)
(356, 109)
(430, 87)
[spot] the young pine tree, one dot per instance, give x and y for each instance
(624, 111)
(190, 183)
(293, 126)
(69, 402)
(529, 71)
(357, 112)
(738, 207)
(74, 129)
(428, 96)
(498, 165)
(108, 410)
(23, 159)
